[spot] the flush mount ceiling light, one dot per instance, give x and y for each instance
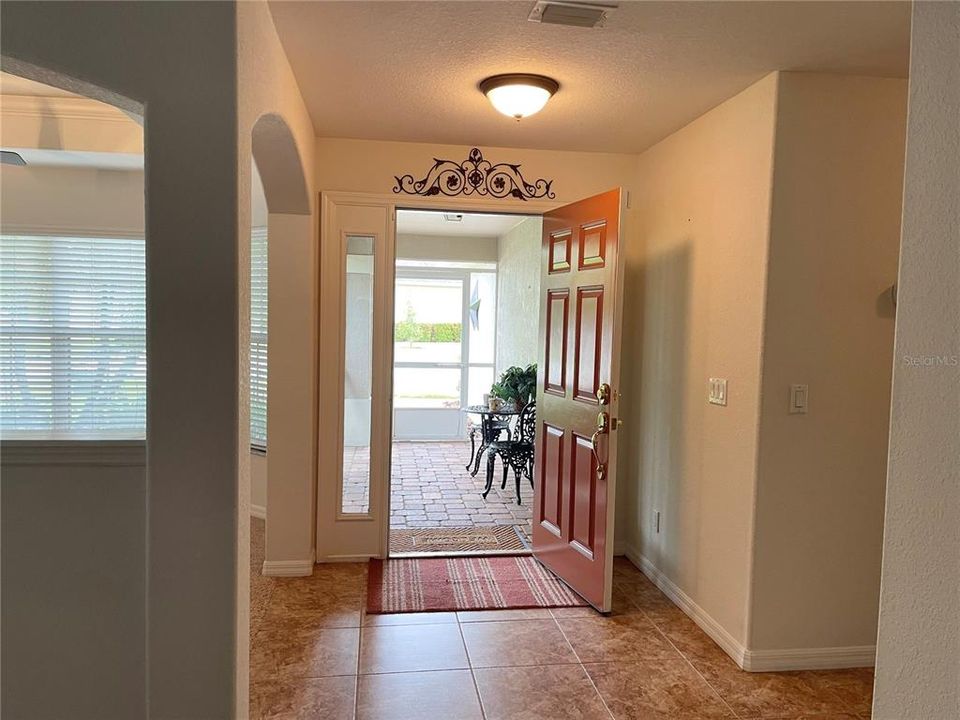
(519, 95)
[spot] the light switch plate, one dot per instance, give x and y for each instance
(799, 399)
(717, 391)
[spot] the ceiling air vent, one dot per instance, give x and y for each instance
(574, 14)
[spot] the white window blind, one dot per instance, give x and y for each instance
(258, 338)
(72, 337)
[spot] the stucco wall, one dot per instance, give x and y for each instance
(450, 249)
(518, 294)
(918, 650)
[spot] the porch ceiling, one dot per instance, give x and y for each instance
(408, 71)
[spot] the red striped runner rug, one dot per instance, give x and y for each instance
(464, 583)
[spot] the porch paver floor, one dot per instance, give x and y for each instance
(431, 488)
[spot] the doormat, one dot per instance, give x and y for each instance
(466, 583)
(500, 538)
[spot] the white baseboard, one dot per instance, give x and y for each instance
(830, 658)
(258, 511)
(288, 568)
(753, 660)
(711, 627)
(345, 558)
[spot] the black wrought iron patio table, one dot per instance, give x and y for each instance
(492, 424)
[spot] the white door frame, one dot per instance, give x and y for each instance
(347, 537)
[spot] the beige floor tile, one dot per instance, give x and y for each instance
(829, 716)
(439, 695)
(311, 699)
(657, 690)
(470, 616)
(431, 618)
(772, 695)
(574, 612)
(516, 642)
(284, 655)
(854, 686)
(304, 605)
(557, 692)
(407, 648)
(617, 639)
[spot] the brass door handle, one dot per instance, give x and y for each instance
(603, 427)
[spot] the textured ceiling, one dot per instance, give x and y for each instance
(408, 70)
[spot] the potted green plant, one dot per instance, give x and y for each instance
(516, 385)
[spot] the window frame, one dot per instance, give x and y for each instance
(461, 273)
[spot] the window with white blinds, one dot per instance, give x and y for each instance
(258, 338)
(72, 337)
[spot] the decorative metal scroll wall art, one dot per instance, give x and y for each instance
(474, 176)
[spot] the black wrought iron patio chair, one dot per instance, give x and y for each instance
(517, 452)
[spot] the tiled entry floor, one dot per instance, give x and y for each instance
(430, 488)
(315, 654)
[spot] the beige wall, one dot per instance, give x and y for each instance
(770, 235)
(271, 109)
(258, 484)
(67, 123)
(50, 199)
(73, 582)
(370, 166)
(695, 288)
(518, 294)
(834, 241)
(918, 650)
(177, 57)
(452, 249)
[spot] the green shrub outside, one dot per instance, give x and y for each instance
(409, 331)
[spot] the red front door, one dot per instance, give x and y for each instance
(580, 306)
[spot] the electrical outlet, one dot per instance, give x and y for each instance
(717, 391)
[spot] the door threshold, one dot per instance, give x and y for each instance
(459, 553)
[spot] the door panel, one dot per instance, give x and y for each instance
(573, 504)
(588, 345)
(551, 499)
(583, 491)
(556, 357)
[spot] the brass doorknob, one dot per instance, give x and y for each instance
(603, 394)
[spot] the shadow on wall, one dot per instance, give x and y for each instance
(660, 394)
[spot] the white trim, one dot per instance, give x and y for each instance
(41, 230)
(288, 568)
(332, 559)
(90, 453)
(711, 627)
(829, 658)
(258, 511)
